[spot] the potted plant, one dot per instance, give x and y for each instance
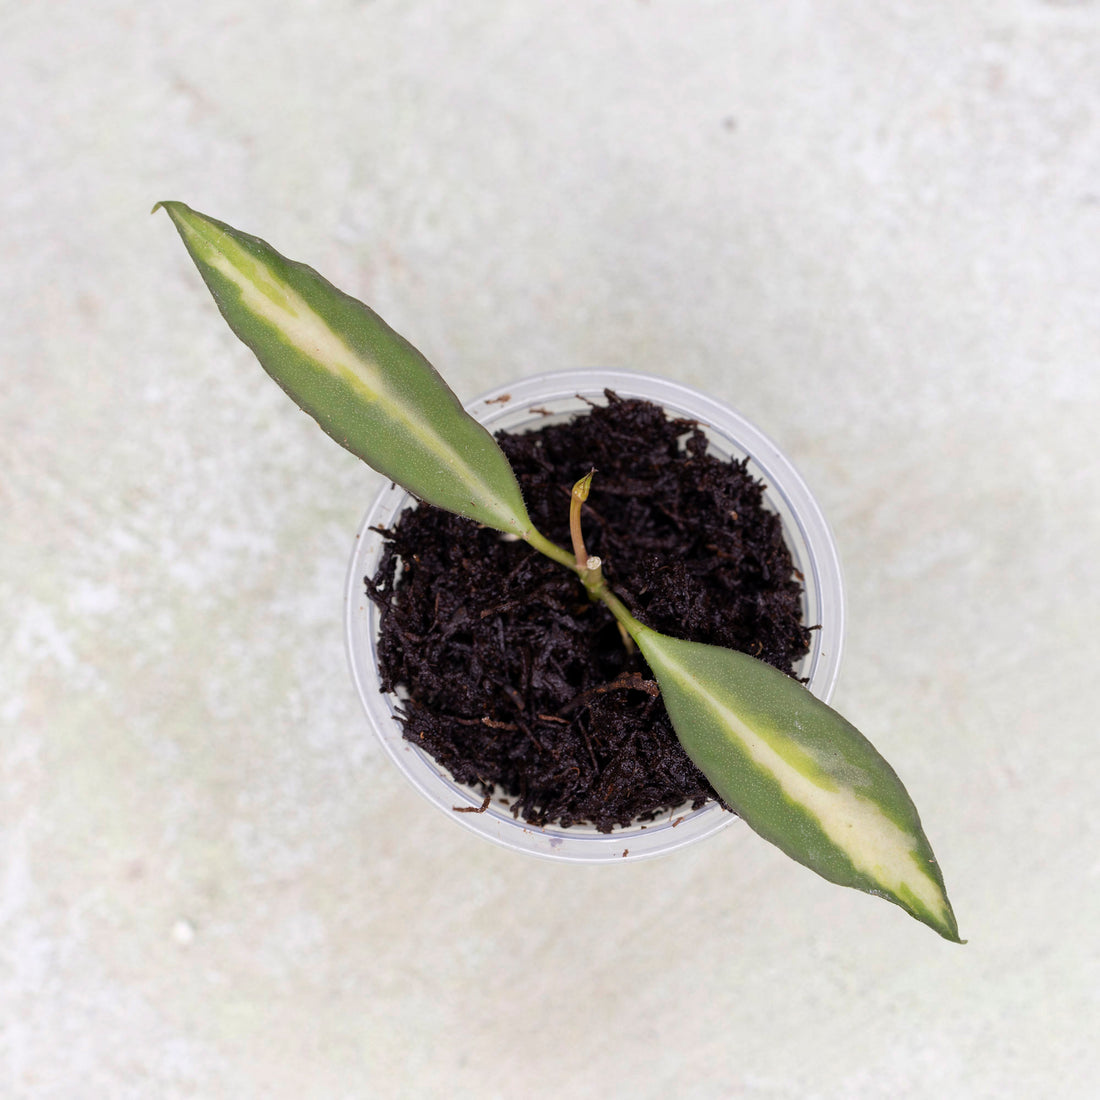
(791, 767)
(555, 402)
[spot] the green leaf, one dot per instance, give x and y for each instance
(366, 386)
(798, 773)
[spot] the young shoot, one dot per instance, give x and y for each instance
(588, 565)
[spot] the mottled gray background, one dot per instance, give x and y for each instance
(871, 228)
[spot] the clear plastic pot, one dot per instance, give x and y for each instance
(533, 402)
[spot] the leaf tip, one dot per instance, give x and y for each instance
(949, 929)
(940, 919)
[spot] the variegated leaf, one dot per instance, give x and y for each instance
(366, 386)
(798, 773)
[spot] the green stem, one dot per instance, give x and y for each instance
(591, 577)
(590, 568)
(600, 591)
(537, 541)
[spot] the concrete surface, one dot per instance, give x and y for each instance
(871, 228)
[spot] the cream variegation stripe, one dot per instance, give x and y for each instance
(875, 845)
(294, 322)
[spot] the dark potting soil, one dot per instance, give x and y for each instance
(516, 683)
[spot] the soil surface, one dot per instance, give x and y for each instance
(520, 686)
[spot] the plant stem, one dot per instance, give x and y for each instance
(538, 541)
(589, 567)
(629, 627)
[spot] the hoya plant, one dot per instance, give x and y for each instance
(790, 766)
